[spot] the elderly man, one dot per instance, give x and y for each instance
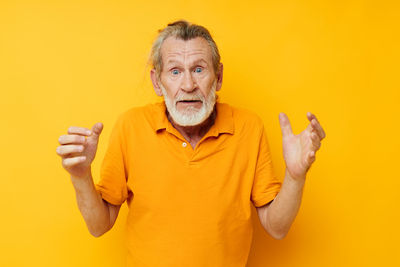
(189, 167)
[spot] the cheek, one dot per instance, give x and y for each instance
(207, 84)
(171, 88)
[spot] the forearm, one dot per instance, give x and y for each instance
(283, 210)
(93, 208)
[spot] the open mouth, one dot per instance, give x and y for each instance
(189, 101)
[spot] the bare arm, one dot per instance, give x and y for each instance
(277, 216)
(78, 150)
(299, 153)
(98, 214)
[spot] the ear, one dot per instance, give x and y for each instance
(155, 83)
(219, 77)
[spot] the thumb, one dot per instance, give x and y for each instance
(96, 129)
(285, 124)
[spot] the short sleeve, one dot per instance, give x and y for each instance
(113, 177)
(266, 185)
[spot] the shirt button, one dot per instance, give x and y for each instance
(184, 144)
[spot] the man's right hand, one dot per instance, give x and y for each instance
(78, 149)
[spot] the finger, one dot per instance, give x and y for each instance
(79, 130)
(68, 162)
(71, 139)
(309, 128)
(285, 124)
(311, 157)
(97, 128)
(316, 125)
(310, 116)
(68, 149)
(315, 140)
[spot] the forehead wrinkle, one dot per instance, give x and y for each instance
(183, 51)
(174, 57)
(174, 54)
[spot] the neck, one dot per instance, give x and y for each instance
(194, 133)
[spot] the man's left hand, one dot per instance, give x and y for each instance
(299, 150)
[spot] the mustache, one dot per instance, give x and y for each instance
(183, 96)
(189, 97)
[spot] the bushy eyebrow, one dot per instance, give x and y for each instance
(172, 61)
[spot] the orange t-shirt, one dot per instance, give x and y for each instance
(188, 207)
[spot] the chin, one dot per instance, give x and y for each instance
(189, 117)
(188, 120)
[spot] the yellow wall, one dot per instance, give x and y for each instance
(65, 63)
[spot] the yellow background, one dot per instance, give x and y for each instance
(65, 63)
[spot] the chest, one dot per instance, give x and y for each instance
(166, 165)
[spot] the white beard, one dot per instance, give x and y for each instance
(191, 116)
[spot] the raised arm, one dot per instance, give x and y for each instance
(78, 150)
(299, 153)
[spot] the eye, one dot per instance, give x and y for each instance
(175, 72)
(198, 69)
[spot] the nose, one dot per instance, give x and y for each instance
(188, 84)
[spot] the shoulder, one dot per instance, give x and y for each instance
(245, 119)
(141, 112)
(139, 117)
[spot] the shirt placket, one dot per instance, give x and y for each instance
(182, 144)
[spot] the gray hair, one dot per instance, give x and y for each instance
(183, 30)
